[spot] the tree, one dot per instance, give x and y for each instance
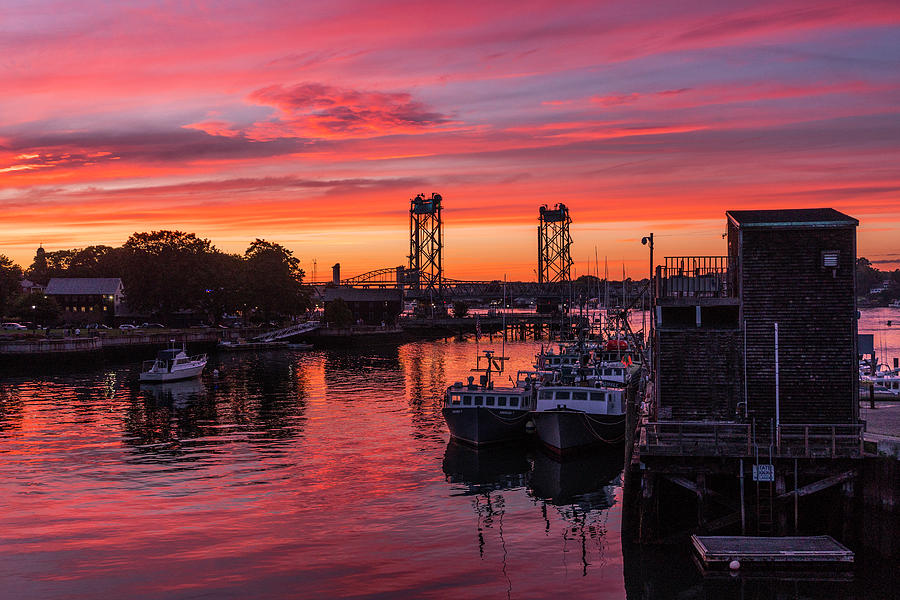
(224, 277)
(338, 314)
(460, 309)
(274, 280)
(163, 271)
(96, 261)
(38, 271)
(867, 276)
(10, 282)
(37, 308)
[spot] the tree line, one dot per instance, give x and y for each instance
(164, 272)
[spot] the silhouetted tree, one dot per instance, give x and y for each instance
(97, 261)
(338, 314)
(867, 276)
(163, 271)
(274, 280)
(224, 276)
(460, 309)
(38, 272)
(10, 282)
(46, 310)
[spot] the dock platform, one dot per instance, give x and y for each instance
(719, 551)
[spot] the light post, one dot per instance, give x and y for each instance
(648, 241)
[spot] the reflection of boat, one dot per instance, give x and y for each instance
(569, 417)
(498, 468)
(484, 414)
(585, 479)
(175, 391)
(172, 364)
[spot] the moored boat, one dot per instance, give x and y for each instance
(172, 364)
(484, 414)
(571, 417)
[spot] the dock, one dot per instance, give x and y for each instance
(720, 551)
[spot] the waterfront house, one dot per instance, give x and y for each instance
(87, 299)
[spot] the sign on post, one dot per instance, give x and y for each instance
(763, 472)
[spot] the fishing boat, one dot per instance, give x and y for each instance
(172, 364)
(572, 417)
(484, 414)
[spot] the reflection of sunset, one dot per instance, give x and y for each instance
(314, 128)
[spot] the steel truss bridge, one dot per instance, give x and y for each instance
(455, 289)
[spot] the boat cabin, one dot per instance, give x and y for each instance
(590, 400)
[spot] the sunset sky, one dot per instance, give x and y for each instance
(312, 124)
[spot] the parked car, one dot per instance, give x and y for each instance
(13, 327)
(97, 326)
(127, 327)
(153, 326)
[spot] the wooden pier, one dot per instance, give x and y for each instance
(720, 551)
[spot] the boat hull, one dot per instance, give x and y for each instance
(569, 430)
(483, 425)
(165, 376)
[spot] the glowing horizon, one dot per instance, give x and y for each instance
(313, 125)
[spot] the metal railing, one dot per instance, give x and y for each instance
(723, 438)
(815, 440)
(694, 276)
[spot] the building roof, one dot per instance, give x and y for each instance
(83, 286)
(791, 217)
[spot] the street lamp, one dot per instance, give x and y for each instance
(648, 241)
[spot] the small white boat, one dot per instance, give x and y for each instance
(172, 364)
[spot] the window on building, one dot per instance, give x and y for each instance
(830, 259)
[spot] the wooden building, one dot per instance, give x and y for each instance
(87, 299)
(755, 365)
(370, 306)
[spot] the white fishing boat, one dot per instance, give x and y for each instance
(172, 364)
(570, 417)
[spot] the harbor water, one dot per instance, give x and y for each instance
(307, 474)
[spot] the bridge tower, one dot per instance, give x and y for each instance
(426, 241)
(554, 243)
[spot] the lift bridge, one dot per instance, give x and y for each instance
(455, 289)
(423, 277)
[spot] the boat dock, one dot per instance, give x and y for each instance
(721, 551)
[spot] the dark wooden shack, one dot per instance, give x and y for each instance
(796, 268)
(731, 399)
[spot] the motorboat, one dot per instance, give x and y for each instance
(484, 414)
(885, 381)
(571, 417)
(172, 364)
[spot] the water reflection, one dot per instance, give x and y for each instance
(175, 392)
(477, 471)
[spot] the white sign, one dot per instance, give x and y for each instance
(763, 472)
